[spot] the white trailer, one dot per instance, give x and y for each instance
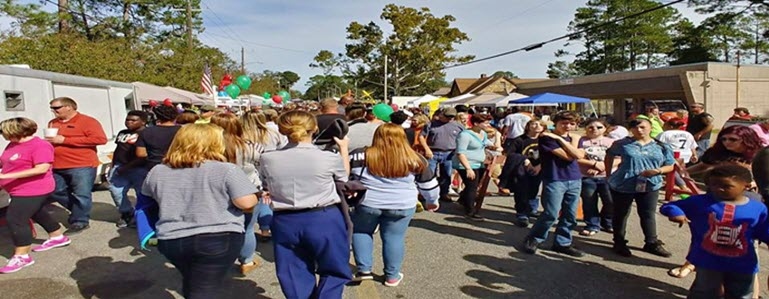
(27, 92)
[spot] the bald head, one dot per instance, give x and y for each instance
(346, 100)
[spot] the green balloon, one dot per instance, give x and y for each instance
(284, 94)
(267, 95)
(382, 111)
(232, 90)
(244, 82)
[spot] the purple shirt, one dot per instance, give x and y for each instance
(553, 167)
(762, 134)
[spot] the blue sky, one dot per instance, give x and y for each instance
(286, 34)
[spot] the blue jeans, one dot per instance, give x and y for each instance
(264, 216)
(392, 229)
(249, 242)
(203, 260)
(557, 196)
(702, 146)
(442, 159)
(73, 191)
(119, 184)
(592, 189)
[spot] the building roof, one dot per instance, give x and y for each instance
(442, 91)
(463, 84)
(60, 78)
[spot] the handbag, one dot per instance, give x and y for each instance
(354, 191)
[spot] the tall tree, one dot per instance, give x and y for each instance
(755, 40)
(420, 45)
(639, 42)
(691, 44)
(505, 74)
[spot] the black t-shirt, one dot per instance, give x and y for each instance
(324, 121)
(697, 124)
(156, 140)
(126, 147)
(528, 147)
(410, 135)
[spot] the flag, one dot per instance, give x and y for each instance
(205, 81)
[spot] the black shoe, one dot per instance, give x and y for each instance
(656, 248)
(530, 245)
(622, 250)
(522, 222)
(76, 228)
(121, 223)
(534, 214)
(568, 250)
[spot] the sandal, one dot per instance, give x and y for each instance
(588, 233)
(681, 272)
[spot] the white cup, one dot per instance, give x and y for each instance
(51, 132)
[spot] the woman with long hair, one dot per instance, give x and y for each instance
(246, 155)
(309, 232)
(393, 174)
(256, 130)
(736, 144)
(27, 176)
(521, 172)
(201, 199)
(594, 184)
(638, 178)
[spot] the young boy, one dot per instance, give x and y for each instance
(724, 225)
(562, 183)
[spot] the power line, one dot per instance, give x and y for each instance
(540, 44)
(520, 13)
(263, 45)
(235, 34)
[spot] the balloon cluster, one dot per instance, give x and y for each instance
(167, 102)
(241, 83)
(279, 98)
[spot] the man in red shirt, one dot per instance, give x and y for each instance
(75, 160)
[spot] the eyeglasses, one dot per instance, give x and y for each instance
(595, 128)
(55, 108)
(730, 139)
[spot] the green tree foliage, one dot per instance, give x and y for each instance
(420, 45)
(712, 6)
(323, 86)
(640, 42)
(755, 40)
(691, 44)
(506, 74)
(288, 79)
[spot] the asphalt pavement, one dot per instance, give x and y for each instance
(446, 257)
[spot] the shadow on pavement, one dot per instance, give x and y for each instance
(556, 276)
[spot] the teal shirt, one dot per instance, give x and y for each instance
(472, 147)
(635, 159)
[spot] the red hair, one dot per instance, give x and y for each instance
(749, 139)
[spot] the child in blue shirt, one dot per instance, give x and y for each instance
(724, 224)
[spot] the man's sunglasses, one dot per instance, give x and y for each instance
(56, 107)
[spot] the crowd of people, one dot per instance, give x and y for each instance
(324, 178)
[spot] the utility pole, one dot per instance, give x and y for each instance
(737, 92)
(243, 60)
(189, 11)
(63, 15)
(385, 79)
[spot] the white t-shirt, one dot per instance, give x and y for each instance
(619, 133)
(516, 124)
(681, 141)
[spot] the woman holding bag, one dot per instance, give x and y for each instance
(468, 161)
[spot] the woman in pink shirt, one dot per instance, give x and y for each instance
(27, 176)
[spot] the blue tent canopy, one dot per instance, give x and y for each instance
(549, 98)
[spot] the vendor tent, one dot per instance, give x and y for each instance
(460, 99)
(499, 101)
(144, 92)
(483, 98)
(551, 99)
(196, 99)
(423, 99)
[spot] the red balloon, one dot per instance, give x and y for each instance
(277, 99)
(168, 102)
(153, 103)
(227, 80)
(394, 106)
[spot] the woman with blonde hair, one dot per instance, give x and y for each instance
(393, 174)
(201, 199)
(256, 130)
(420, 144)
(309, 232)
(246, 155)
(27, 176)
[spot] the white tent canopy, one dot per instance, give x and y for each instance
(423, 99)
(501, 101)
(460, 99)
(144, 92)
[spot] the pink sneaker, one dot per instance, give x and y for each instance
(51, 244)
(394, 282)
(16, 263)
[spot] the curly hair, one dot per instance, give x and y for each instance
(165, 113)
(749, 139)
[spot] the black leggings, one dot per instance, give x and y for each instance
(470, 192)
(23, 208)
